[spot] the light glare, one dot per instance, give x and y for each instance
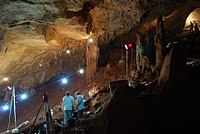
(64, 80)
(23, 96)
(67, 51)
(126, 46)
(81, 71)
(91, 40)
(5, 79)
(5, 107)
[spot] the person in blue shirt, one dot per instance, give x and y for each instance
(80, 104)
(67, 107)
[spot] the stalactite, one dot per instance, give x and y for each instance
(160, 44)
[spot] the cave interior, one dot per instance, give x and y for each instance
(137, 63)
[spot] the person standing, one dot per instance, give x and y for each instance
(80, 104)
(67, 107)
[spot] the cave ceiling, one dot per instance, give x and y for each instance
(36, 34)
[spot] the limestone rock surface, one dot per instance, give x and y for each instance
(35, 34)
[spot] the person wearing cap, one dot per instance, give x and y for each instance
(80, 104)
(67, 107)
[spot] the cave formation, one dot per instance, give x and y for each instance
(42, 41)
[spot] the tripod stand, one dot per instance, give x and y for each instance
(50, 126)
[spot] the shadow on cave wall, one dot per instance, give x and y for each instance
(84, 13)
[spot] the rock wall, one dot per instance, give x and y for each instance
(33, 42)
(112, 18)
(34, 60)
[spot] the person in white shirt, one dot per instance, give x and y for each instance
(67, 107)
